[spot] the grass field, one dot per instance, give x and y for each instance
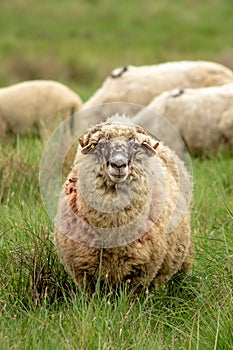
(78, 43)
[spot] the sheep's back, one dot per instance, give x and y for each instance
(199, 115)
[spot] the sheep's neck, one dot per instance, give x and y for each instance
(115, 205)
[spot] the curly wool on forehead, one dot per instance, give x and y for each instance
(117, 130)
(109, 132)
(116, 127)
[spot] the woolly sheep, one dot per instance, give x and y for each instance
(203, 117)
(35, 106)
(123, 213)
(140, 84)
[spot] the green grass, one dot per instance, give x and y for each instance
(79, 43)
(40, 307)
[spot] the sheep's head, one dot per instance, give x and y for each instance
(118, 148)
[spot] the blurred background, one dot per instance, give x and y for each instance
(79, 42)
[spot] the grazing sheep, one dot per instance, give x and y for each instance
(140, 85)
(35, 106)
(203, 117)
(123, 213)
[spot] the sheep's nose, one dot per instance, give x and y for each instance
(120, 163)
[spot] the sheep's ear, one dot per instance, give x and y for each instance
(88, 148)
(80, 140)
(150, 149)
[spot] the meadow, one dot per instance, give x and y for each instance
(79, 43)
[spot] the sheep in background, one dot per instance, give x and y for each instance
(123, 213)
(37, 105)
(140, 85)
(203, 117)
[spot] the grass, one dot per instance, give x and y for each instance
(40, 307)
(79, 44)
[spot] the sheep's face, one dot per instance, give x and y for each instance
(117, 156)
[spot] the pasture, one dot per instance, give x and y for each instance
(78, 44)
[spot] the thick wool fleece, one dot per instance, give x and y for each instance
(139, 85)
(203, 117)
(37, 105)
(156, 254)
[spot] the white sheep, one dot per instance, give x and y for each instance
(203, 117)
(124, 213)
(141, 84)
(35, 106)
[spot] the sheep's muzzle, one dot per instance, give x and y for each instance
(118, 161)
(118, 167)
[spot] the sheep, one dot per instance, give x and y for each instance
(124, 210)
(36, 105)
(139, 85)
(203, 117)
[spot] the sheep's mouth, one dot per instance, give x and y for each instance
(118, 175)
(118, 178)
